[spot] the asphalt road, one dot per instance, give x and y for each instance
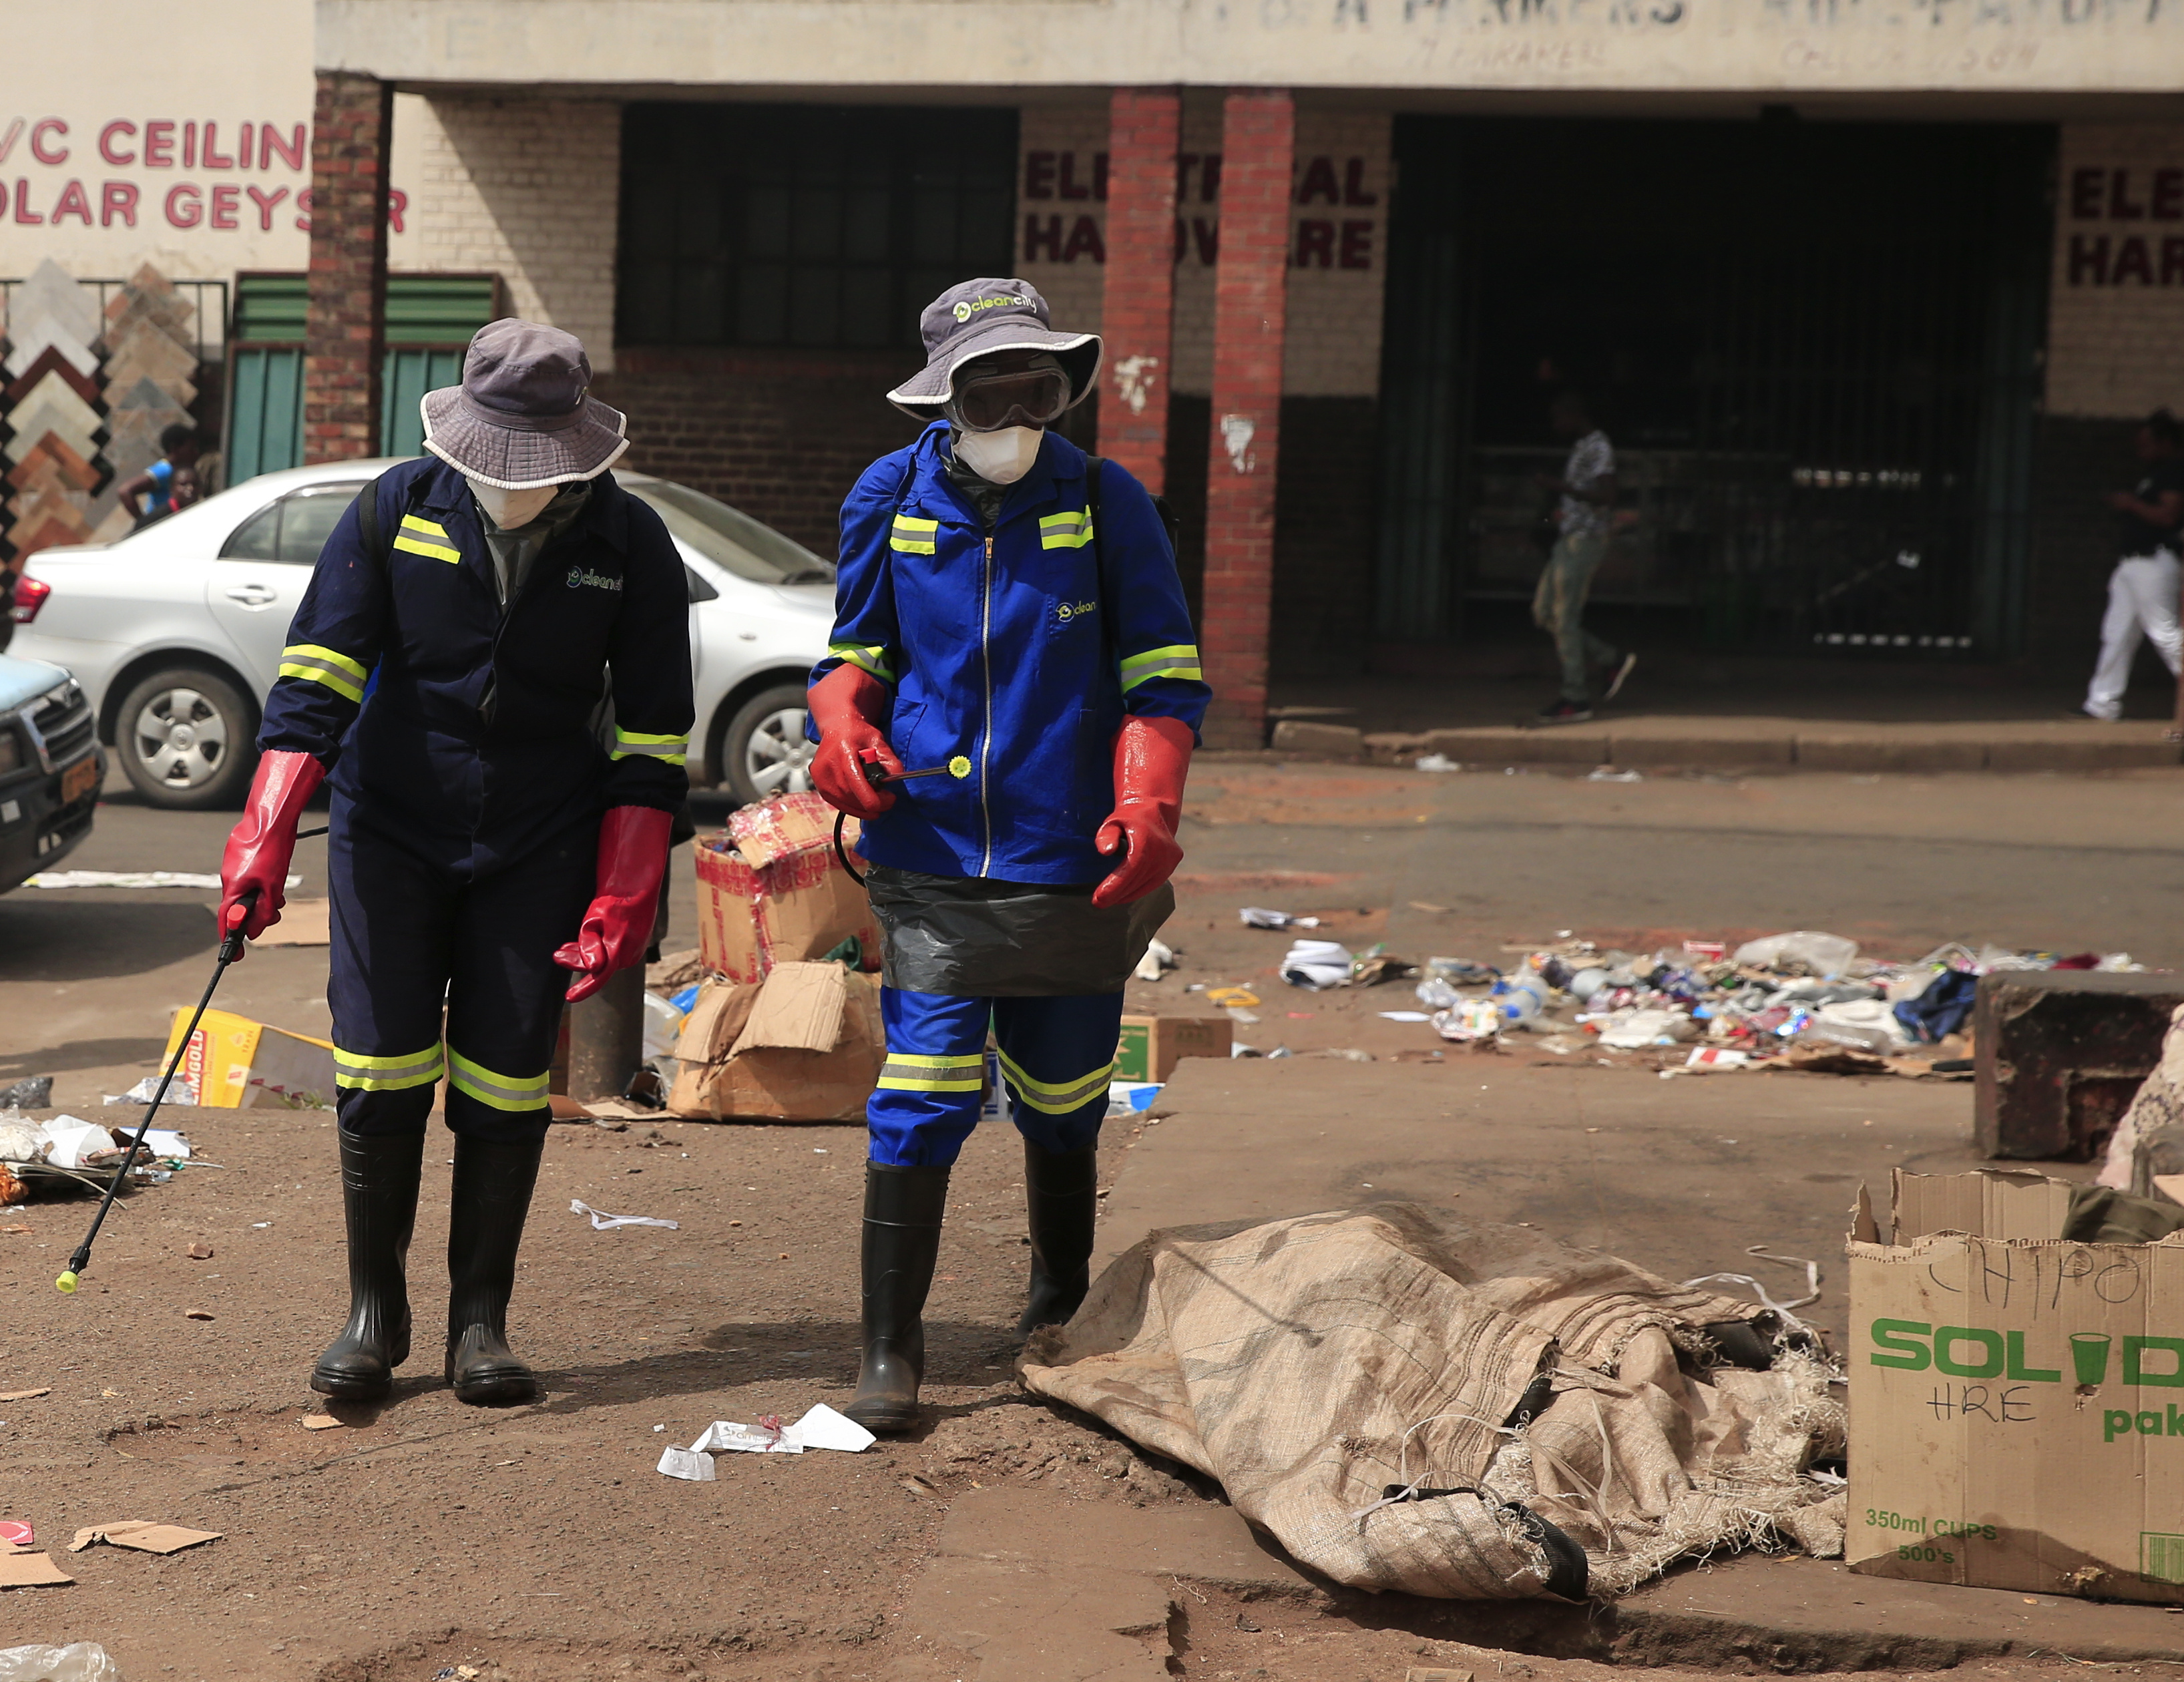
(90, 978)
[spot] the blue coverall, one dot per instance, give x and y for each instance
(1015, 657)
(467, 790)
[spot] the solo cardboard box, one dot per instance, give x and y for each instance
(770, 890)
(2016, 1399)
(234, 1063)
(1152, 1046)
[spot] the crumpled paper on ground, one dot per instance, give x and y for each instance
(821, 1427)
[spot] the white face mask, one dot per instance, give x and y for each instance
(999, 458)
(508, 510)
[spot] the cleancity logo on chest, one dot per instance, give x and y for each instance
(578, 578)
(1066, 611)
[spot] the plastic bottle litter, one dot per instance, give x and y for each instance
(78, 1661)
(1436, 994)
(1586, 982)
(1462, 971)
(1520, 997)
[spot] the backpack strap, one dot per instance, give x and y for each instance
(367, 520)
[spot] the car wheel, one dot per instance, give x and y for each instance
(763, 751)
(184, 736)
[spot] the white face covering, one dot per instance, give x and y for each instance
(999, 458)
(508, 510)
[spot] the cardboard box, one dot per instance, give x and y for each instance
(234, 1063)
(806, 1045)
(1152, 1046)
(771, 891)
(2016, 1401)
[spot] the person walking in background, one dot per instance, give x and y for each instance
(168, 483)
(1584, 514)
(2142, 588)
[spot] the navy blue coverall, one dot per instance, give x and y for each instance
(467, 789)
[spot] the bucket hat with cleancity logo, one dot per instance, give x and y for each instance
(978, 317)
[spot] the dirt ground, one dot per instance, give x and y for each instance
(421, 1537)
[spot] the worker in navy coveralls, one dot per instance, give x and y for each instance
(469, 618)
(1021, 635)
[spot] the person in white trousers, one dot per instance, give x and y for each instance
(2143, 590)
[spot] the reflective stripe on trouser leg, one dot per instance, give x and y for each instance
(504, 989)
(1058, 1056)
(390, 917)
(926, 1101)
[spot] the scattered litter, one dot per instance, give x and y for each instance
(1440, 762)
(1428, 906)
(180, 1092)
(1159, 956)
(196, 1314)
(1237, 1013)
(78, 1661)
(1817, 953)
(457, 1673)
(319, 1422)
(130, 878)
(199, 1252)
(34, 1092)
(1462, 971)
(1812, 1282)
(1717, 1057)
(1237, 998)
(1131, 1097)
(1609, 774)
(143, 1536)
(1258, 916)
(17, 1534)
(603, 1223)
(689, 1463)
(1649, 1027)
(28, 1570)
(25, 1395)
(1469, 1019)
(1317, 965)
(1407, 1015)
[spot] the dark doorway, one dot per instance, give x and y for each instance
(1815, 346)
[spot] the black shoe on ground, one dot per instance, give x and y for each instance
(1566, 712)
(1062, 1190)
(1622, 671)
(904, 1208)
(379, 1207)
(492, 1194)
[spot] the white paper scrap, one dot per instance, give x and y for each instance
(724, 1436)
(823, 1427)
(130, 878)
(688, 1462)
(1407, 1015)
(603, 1223)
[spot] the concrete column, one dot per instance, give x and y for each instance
(1250, 283)
(1138, 316)
(344, 334)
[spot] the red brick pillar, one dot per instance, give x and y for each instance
(344, 334)
(1137, 319)
(1258, 129)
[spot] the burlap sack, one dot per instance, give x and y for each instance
(1318, 1366)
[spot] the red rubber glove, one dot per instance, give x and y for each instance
(1152, 756)
(847, 704)
(617, 926)
(259, 847)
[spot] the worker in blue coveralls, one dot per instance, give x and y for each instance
(472, 614)
(1009, 704)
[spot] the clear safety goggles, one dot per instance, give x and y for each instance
(1035, 396)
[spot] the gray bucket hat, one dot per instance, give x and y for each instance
(978, 317)
(523, 415)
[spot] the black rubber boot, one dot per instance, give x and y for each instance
(1062, 1190)
(904, 1208)
(485, 1228)
(379, 1206)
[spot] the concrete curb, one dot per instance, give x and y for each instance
(1752, 744)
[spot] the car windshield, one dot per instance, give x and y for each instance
(732, 540)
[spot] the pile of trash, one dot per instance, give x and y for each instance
(1786, 995)
(68, 1148)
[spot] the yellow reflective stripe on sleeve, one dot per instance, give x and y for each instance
(325, 656)
(1180, 660)
(416, 534)
(865, 656)
(1058, 1098)
(904, 1072)
(635, 745)
(913, 536)
(514, 1093)
(1070, 531)
(315, 664)
(355, 1070)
